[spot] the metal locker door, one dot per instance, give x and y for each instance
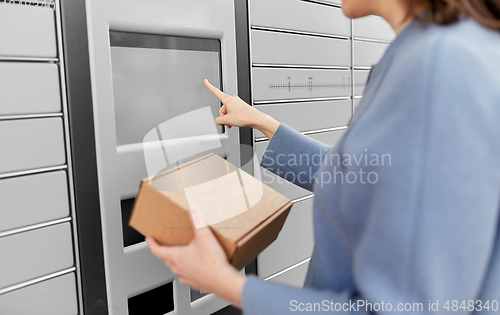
(294, 243)
(367, 54)
(293, 277)
(282, 49)
(299, 16)
(56, 296)
(309, 116)
(27, 31)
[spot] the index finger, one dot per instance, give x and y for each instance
(214, 90)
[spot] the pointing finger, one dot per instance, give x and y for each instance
(220, 95)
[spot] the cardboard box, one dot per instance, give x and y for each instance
(244, 214)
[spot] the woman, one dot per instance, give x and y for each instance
(426, 231)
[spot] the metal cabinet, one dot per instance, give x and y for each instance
(40, 268)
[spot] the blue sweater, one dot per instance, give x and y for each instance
(406, 206)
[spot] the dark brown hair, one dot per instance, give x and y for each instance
(486, 12)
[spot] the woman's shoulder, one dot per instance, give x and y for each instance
(451, 68)
(463, 55)
(463, 39)
(468, 41)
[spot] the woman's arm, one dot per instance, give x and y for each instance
(290, 154)
(295, 157)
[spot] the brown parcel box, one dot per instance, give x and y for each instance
(244, 214)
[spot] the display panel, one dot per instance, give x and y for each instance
(159, 77)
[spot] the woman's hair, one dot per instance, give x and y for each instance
(486, 12)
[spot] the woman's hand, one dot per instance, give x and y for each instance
(202, 264)
(235, 112)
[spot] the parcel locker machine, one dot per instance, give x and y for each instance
(140, 86)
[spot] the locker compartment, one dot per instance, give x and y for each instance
(287, 189)
(300, 16)
(159, 301)
(31, 143)
(289, 84)
(33, 199)
(367, 54)
(284, 187)
(55, 297)
(360, 79)
(373, 27)
(27, 31)
(294, 243)
(29, 88)
(130, 235)
(309, 116)
(288, 49)
(35, 253)
(330, 138)
(356, 103)
(294, 277)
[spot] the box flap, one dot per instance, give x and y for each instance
(259, 238)
(228, 246)
(265, 204)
